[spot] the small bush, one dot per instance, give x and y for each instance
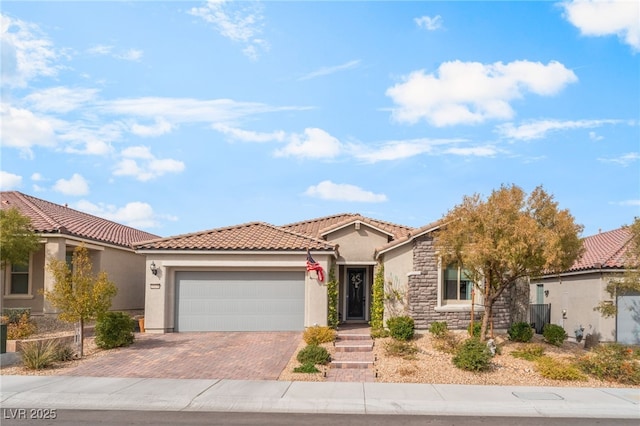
(473, 355)
(613, 362)
(438, 328)
(313, 354)
(554, 334)
(558, 370)
(520, 332)
(477, 328)
(529, 352)
(114, 329)
(401, 328)
(65, 353)
(306, 368)
(377, 333)
(39, 354)
(15, 314)
(401, 348)
(21, 329)
(317, 334)
(448, 343)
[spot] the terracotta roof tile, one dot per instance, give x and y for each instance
(249, 236)
(319, 226)
(604, 250)
(51, 218)
(410, 236)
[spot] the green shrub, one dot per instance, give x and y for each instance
(306, 368)
(473, 355)
(554, 334)
(449, 343)
(317, 334)
(520, 332)
(15, 314)
(39, 354)
(613, 362)
(64, 353)
(400, 348)
(438, 328)
(114, 329)
(529, 352)
(558, 370)
(477, 327)
(313, 354)
(401, 328)
(377, 333)
(23, 328)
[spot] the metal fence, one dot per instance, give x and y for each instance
(539, 315)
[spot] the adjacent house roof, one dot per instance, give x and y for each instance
(51, 218)
(320, 227)
(603, 250)
(249, 236)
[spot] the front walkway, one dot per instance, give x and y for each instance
(353, 358)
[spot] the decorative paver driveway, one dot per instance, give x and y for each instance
(211, 355)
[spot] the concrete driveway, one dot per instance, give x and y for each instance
(210, 355)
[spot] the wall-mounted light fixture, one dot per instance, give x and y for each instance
(154, 268)
(546, 293)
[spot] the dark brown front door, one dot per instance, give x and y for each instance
(356, 284)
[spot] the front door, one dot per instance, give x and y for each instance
(356, 291)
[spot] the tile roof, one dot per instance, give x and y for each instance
(603, 250)
(249, 236)
(416, 232)
(322, 225)
(51, 218)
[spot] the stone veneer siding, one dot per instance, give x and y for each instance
(423, 294)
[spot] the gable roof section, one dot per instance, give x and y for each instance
(258, 236)
(51, 218)
(415, 233)
(603, 250)
(323, 225)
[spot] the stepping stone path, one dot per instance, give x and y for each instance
(353, 359)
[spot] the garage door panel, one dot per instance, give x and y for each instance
(240, 301)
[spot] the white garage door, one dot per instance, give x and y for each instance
(628, 319)
(239, 301)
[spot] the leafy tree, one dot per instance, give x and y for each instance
(78, 293)
(630, 280)
(506, 238)
(17, 238)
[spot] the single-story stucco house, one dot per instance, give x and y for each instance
(254, 277)
(571, 295)
(61, 229)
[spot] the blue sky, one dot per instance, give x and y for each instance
(175, 117)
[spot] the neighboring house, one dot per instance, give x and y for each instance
(61, 230)
(253, 277)
(574, 293)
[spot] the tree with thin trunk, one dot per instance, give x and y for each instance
(506, 238)
(78, 293)
(629, 282)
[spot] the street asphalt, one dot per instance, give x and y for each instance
(268, 396)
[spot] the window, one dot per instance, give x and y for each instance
(457, 285)
(19, 279)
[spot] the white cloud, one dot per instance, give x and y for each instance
(136, 214)
(629, 203)
(429, 23)
(330, 70)
(160, 127)
(26, 53)
(477, 151)
(9, 181)
(60, 99)
(37, 177)
(314, 143)
(623, 160)
(471, 92)
(100, 49)
(77, 185)
(595, 137)
(108, 50)
(238, 21)
(539, 129)
(394, 150)
(20, 128)
(248, 135)
(130, 55)
(327, 190)
(89, 139)
(606, 17)
(140, 163)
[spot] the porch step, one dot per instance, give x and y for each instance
(353, 336)
(351, 364)
(353, 350)
(354, 346)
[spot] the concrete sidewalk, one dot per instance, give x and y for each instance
(107, 393)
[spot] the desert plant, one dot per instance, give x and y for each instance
(612, 361)
(318, 334)
(15, 314)
(377, 333)
(39, 354)
(529, 352)
(473, 355)
(64, 353)
(401, 328)
(520, 332)
(477, 328)
(306, 368)
(400, 348)
(558, 370)
(449, 343)
(313, 354)
(554, 334)
(114, 329)
(438, 328)
(21, 329)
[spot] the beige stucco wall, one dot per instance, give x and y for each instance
(127, 270)
(160, 289)
(357, 245)
(578, 295)
(398, 263)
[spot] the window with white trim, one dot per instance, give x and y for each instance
(19, 283)
(457, 286)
